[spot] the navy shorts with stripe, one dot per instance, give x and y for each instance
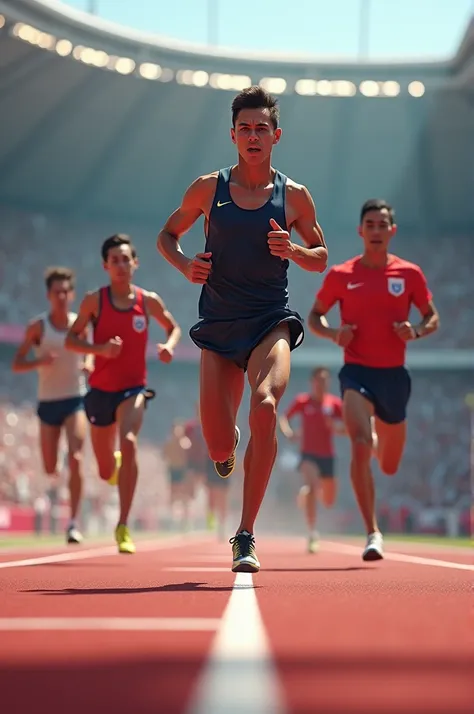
(325, 464)
(236, 339)
(54, 412)
(388, 388)
(101, 407)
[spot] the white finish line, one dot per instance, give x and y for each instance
(239, 676)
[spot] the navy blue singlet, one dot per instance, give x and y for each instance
(246, 294)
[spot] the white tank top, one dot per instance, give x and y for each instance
(63, 378)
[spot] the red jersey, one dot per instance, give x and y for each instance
(197, 453)
(373, 299)
(128, 370)
(317, 437)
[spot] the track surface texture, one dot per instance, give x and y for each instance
(172, 631)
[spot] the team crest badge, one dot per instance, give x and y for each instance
(396, 286)
(139, 323)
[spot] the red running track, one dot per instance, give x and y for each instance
(345, 637)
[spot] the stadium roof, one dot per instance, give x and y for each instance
(97, 118)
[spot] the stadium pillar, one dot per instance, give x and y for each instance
(212, 22)
(365, 15)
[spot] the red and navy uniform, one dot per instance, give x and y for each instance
(317, 436)
(373, 299)
(117, 379)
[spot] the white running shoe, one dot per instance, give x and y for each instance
(374, 547)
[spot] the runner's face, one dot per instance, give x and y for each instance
(60, 295)
(120, 264)
(377, 231)
(320, 384)
(254, 135)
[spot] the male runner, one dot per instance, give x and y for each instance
(375, 292)
(202, 471)
(321, 418)
(61, 385)
(245, 322)
(116, 401)
(176, 453)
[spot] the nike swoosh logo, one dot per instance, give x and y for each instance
(219, 204)
(351, 286)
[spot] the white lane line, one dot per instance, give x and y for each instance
(137, 624)
(142, 546)
(399, 557)
(197, 569)
(239, 675)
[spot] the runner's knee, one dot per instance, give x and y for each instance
(362, 444)
(263, 409)
(128, 444)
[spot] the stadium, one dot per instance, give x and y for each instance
(103, 129)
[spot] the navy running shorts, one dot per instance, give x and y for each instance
(101, 407)
(56, 411)
(236, 339)
(325, 464)
(388, 388)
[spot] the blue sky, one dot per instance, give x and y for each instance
(397, 28)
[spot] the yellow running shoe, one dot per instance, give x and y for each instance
(211, 522)
(124, 540)
(113, 480)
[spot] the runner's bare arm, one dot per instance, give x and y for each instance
(76, 339)
(318, 323)
(32, 337)
(313, 256)
(157, 309)
(430, 320)
(196, 201)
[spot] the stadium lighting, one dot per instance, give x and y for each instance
(45, 41)
(324, 87)
(369, 88)
(124, 65)
(229, 82)
(274, 85)
(200, 78)
(77, 51)
(391, 89)
(184, 76)
(2, 21)
(166, 75)
(344, 88)
(416, 89)
(191, 77)
(306, 87)
(63, 48)
(151, 71)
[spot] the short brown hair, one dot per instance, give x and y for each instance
(57, 272)
(256, 97)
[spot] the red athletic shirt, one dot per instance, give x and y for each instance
(128, 370)
(317, 438)
(373, 299)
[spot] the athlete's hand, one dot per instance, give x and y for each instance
(279, 241)
(165, 353)
(198, 269)
(404, 330)
(345, 335)
(112, 348)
